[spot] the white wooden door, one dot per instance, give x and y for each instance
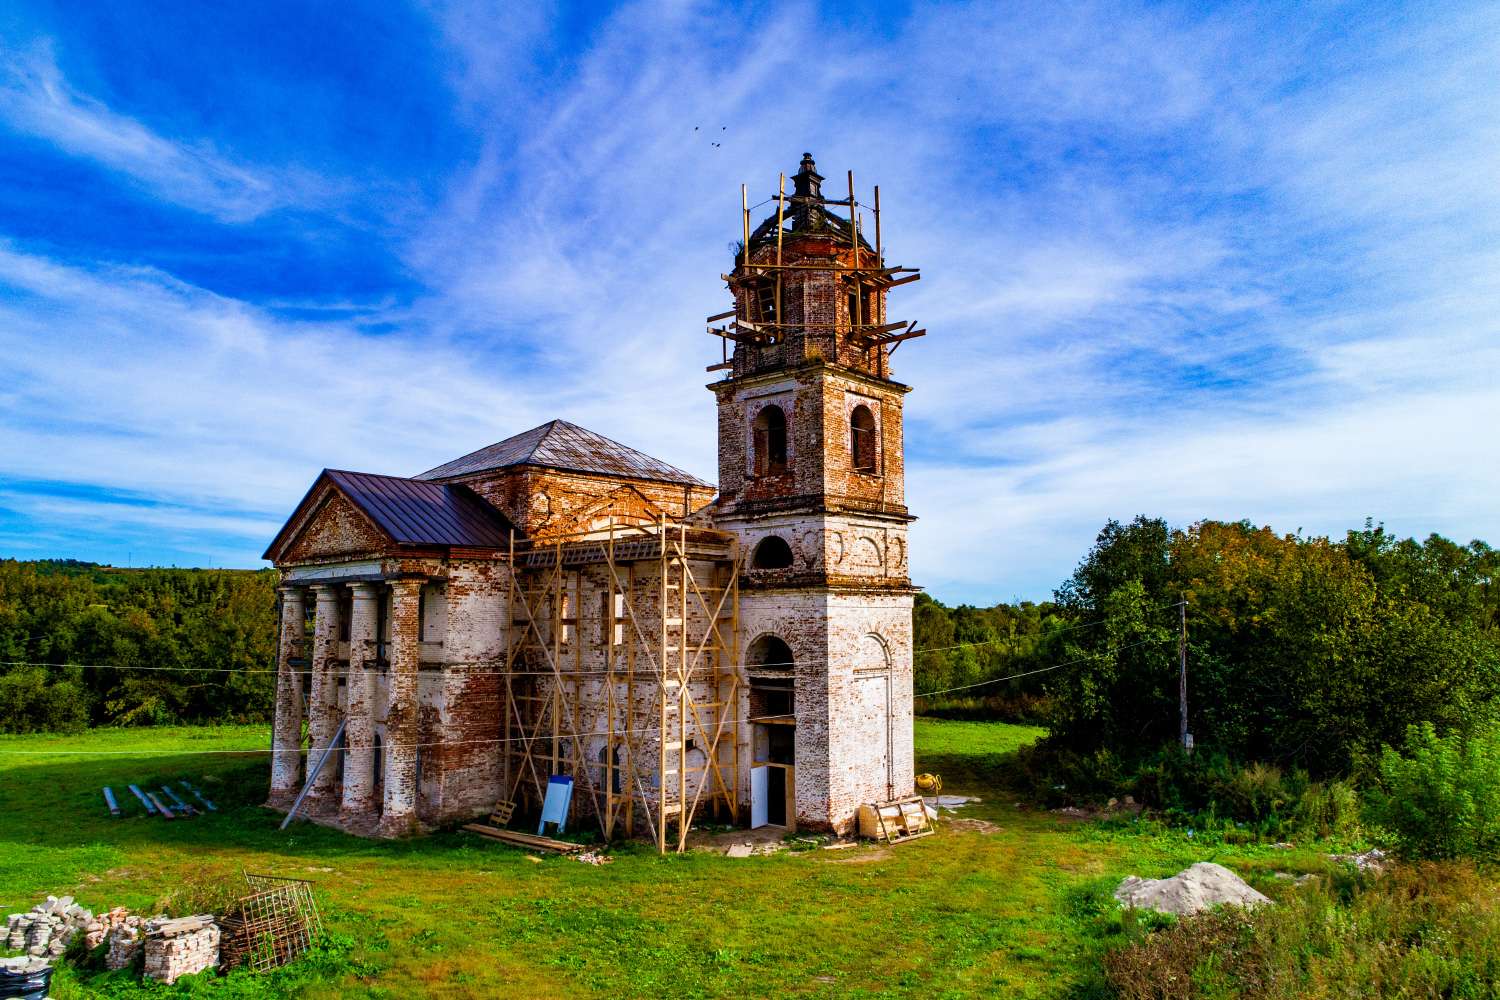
(759, 804)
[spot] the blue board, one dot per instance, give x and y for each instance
(555, 805)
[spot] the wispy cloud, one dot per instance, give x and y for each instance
(36, 100)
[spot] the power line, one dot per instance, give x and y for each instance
(1039, 670)
(541, 673)
(518, 739)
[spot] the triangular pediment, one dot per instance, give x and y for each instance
(330, 526)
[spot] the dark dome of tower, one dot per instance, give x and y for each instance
(806, 212)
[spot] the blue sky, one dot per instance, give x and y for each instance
(1191, 261)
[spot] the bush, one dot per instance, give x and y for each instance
(1204, 790)
(1441, 799)
(1328, 809)
(1423, 930)
(33, 701)
(203, 891)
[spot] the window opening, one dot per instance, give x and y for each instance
(857, 303)
(612, 619)
(765, 303)
(770, 441)
(772, 553)
(862, 450)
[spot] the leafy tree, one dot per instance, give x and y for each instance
(1300, 653)
(1441, 798)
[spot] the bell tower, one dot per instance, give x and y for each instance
(811, 476)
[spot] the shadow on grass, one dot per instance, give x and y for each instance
(974, 757)
(61, 805)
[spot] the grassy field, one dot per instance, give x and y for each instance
(1008, 906)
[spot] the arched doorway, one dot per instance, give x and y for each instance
(771, 668)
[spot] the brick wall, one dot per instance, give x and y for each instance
(853, 653)
(545, 502)
(336, 530)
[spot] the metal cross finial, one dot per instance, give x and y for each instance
(807, 182)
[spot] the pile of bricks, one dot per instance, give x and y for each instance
(180, 947)
(48, 929)
(100, 927)
(124, 943)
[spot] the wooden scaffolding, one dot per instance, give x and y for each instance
(623, 671)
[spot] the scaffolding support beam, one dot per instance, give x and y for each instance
(577, 700)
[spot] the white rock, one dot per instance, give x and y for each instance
(1198, 888)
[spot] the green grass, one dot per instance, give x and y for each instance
(1014, 912)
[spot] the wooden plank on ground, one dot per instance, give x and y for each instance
(523, 839)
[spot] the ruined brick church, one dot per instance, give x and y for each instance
(561, 604)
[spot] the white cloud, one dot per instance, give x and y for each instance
(36, 100)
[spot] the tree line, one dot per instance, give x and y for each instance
(1302, 652)
(85, 644)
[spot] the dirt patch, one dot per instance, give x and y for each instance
(738, 843)
(976, 825)
(862, 858)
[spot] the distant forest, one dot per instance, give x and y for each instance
(1280, 624)
(1300, 649)
(201, 643)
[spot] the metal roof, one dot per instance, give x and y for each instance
(561, 445)
(414, 512)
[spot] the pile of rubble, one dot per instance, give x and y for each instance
(50, 927)
(1193, 890)
(277, 921)
(1374, 860)
(173, 948)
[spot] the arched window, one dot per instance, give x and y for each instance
(772, 553)
(770, 441)
(862, 450)
(769, 663)
(769, 653)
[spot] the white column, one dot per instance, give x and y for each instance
(323, 713)
(359, 724)
(286, 733)
(399, 812)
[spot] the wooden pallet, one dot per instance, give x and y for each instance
(901, 820)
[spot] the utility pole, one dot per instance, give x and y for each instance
(1182, 727)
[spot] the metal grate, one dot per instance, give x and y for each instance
(271, 926)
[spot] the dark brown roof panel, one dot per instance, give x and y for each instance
(415, 512)
(561, 445)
